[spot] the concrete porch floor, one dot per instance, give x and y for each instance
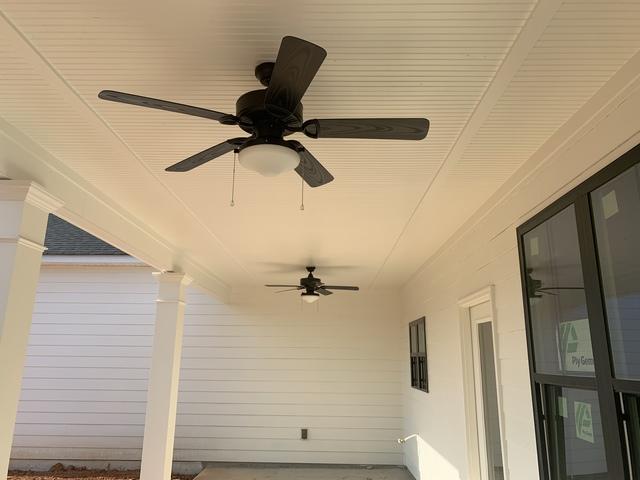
(301, 472)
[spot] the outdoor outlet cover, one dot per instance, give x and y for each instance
(304, 433)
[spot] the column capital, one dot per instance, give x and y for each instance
(172, 287)
(24, 243)
(29, 192)
(173, 277)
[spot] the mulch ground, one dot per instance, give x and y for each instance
(69, 472)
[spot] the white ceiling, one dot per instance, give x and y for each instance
(496, 79)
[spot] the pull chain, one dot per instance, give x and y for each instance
(233, 178)
(302, 195)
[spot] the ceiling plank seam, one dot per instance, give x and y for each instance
(532, 30)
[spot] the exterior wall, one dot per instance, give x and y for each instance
(85, 378)
(254, 371)
(484, 252)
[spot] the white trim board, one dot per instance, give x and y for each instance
(86, 208)
(486, 294)
(92, 260)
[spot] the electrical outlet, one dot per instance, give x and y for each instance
(304, 433)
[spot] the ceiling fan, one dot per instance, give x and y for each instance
(270, 114)
(536, 290)
(313, 287)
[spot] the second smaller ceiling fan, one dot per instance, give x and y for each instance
(313, 287)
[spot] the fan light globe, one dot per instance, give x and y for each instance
(268, 159)
(309, 297)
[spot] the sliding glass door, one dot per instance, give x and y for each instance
(580, 267)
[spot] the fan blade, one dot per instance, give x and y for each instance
(372, 128)
(340, 287)
(560, 288)
(545, 292)
(141, 101)
(324, 291)
(206, 155)
(283, 286)
(309, 168)
(289, 290)
(297, 63)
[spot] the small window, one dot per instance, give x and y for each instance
(418, 355)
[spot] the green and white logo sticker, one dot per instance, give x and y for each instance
(584, 421)
(575, 346)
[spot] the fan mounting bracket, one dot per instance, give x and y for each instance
(263, 72)
(310, 282)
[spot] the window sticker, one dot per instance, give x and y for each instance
(563, 411)
(575, 346)
(609, 204)
(584, 421)
(534, 246)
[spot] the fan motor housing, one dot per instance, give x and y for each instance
(251, 109)
(310, 282)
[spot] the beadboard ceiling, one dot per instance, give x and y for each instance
(496, 79)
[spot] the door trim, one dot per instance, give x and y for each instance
(474, 450)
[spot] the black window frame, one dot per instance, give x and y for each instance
(419, 371)
(608, 388)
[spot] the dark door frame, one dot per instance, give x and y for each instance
(604, 382)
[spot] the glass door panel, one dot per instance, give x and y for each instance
(574, 434)
(556, 297)
(487, 380)
(616, 218)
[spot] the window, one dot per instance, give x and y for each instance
(418, 355)
(580, 272)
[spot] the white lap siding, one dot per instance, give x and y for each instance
(254, 372)
(85, 378)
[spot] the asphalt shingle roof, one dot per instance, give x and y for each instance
(62, 238)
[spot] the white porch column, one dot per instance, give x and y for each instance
(162, 395)
(24, 212)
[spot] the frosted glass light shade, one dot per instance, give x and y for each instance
(268, 159)
(309, 297)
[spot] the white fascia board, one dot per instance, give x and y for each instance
(93, 260)
(90, 210)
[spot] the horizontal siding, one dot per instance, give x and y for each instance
(253, 373)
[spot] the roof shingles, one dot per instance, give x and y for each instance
(62, 238)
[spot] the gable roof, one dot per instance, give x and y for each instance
(62, 238)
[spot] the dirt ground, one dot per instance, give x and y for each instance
(69, 472)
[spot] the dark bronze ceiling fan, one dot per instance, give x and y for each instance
(271, 114)
(313, 287)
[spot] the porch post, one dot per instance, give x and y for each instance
(24, 212)
(162, 395)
